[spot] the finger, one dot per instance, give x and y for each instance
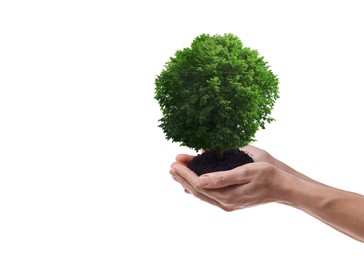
(248, 150)
(175, 163)
(191, 190)
(223, 179)
(187, 188)
(186, 185)
(186, 174)
(184, 158)
(189, 180)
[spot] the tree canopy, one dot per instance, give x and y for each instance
(215, 93)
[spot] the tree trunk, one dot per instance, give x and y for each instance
(219, 153)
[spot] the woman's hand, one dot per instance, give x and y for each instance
(244, 186)
(258, 155)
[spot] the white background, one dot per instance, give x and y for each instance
(84, 167)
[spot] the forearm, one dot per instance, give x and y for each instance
(340, 209)
(280, 165)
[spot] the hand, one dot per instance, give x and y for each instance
(258, 155)
(245, 186)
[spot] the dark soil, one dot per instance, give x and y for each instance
(207, 161)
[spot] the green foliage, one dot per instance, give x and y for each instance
(216, 93)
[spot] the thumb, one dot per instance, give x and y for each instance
(184, 158)
(223, 179)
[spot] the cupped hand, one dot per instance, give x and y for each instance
(245, 186)
(258, 155)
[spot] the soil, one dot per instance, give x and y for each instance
(207, 161)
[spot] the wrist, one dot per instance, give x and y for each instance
(280, 185)
(302, 194)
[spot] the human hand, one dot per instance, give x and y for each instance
(258, 155)
(245, 186)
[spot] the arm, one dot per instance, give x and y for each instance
(342, 210)
(269, 180)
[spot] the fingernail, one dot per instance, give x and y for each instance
(204, 180)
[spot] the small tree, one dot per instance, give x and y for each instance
(215, 94)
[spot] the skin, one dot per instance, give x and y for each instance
(270, 180)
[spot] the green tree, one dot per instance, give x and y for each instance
(215, 94)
